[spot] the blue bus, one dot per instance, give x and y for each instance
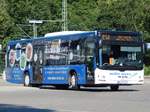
(77, 58)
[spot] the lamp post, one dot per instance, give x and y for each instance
(64, 16)
(34, 22)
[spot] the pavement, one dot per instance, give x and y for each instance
(17, 98)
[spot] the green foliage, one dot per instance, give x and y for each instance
(24, 10)
(82, 15)
(6, 40)
(1, 63)
(133, 15)
(147, 71)
(5, 19)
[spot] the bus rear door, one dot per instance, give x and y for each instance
(38, 57)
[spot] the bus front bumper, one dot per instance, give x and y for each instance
(118, 77)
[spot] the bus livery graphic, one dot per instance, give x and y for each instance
(18, 51)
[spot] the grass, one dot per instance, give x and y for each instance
(1, 68)
(147, 70)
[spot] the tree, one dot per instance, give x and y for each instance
(130, 15)
(24, 10)
(5, 19)
(82, 14)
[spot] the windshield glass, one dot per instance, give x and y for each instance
(122, 56)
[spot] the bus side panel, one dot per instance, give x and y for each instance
(81, 73)
(60, 74)
(14, 75)
(55, 74)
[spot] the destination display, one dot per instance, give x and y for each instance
(107, 37)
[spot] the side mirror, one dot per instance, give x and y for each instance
(146, 47)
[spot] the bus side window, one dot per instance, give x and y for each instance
(56, 52)
(64, 47)
(105, 54)
(82, 51)
(76, 52)
(90, 46)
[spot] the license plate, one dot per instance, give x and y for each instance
(123, 82)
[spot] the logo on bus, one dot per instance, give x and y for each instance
(29, 51)
(18, 51)
(23, 61)
(12, 57)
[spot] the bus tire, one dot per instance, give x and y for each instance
(36, 85)
(27, 80)
(62, 87)
(114, 87)
(73, 81)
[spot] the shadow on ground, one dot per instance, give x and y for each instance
(108, 90)
(91, 89)
(16, 108)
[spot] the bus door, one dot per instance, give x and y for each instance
(38, 56)
(90, 58)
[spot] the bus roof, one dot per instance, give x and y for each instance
(65, 33)
(69, 34)
(57, 35)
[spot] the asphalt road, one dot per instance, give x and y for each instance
(16, 98)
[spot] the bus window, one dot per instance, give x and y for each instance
(56, 52)
(77, 51)
(64, 47)
(105, 54)
(122, 55)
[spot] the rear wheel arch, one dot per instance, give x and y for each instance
(27, 78)
(73, 79)
(72, 72)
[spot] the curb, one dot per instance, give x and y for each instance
(146, 77)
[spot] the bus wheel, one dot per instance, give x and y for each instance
(26, 80)
(114, 87)
(63, 87)
(73, 81)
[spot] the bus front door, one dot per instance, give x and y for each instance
(90, 60)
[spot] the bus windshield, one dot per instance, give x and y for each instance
(121, 56)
